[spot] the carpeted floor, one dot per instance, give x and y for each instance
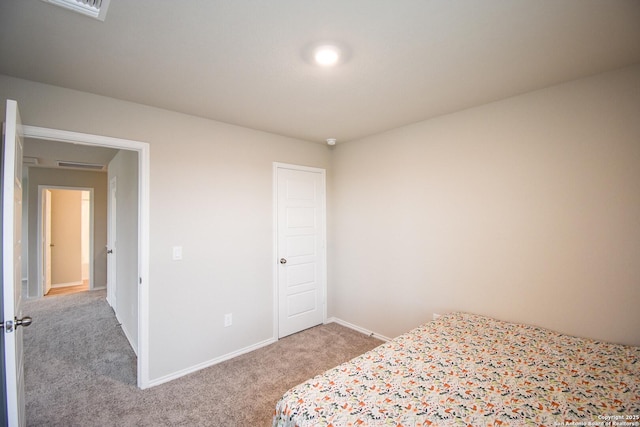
(80, 371)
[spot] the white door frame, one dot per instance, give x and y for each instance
(275, 257)
(40, 233)
(46, 240)
(111, 245)
(143, 150)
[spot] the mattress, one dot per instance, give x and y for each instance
(465, 369)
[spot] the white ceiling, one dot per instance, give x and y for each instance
(243, 62)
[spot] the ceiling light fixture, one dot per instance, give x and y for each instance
(331, 141)
(326, 55)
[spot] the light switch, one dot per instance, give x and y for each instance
(177, 253)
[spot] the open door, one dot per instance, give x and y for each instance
(46, 242)
(111, 245)
(11, 265)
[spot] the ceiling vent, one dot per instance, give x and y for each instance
(80, 165)
(94, 8)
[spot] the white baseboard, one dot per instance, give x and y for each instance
(64, 285)
(251, 348)
(357, 328)
(211, 362)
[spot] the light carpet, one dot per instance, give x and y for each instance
(81, 371)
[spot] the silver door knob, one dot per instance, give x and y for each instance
(283, 261)
(24, 322)
(9, 325)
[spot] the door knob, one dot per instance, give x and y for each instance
(109, 251)
(25, 321)
(9, 325)
(283, 261)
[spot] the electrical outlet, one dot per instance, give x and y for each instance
(228, 319)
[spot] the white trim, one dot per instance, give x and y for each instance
(48, 134)
(211, 362)
(40, 237)
(274, 256)
(143, 150)
(357, 328)
(144, 170)
(66, 285)
(323, 174)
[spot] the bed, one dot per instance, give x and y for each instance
(470, 370)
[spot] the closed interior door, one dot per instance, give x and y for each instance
(301, 260)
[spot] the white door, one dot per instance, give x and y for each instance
(301, 258)
(11, 265)
(47, 239)
(111, 245)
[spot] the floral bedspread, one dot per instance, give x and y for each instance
(470, 370)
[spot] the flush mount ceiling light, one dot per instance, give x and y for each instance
(331, 141)
(94, 8)
(326, 54)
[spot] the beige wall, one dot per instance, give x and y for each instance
(211, 193)
(527, 209)
(68, 178)
(66, 235)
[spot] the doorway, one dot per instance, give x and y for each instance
(142, 163)
(66, 236)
